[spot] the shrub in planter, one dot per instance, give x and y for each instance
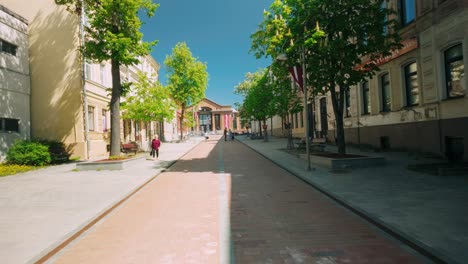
(28, 152)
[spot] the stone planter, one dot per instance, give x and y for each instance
(103, 165)
(346, 162)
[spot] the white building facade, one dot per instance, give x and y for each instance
(15, 87)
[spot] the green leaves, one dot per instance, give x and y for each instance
(187, 77)
(149, 101)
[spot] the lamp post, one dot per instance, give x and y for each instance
(283, 57)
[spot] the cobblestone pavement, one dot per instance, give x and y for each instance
(224, 203)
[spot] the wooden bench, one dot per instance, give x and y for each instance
(129, 147)
(317, 144)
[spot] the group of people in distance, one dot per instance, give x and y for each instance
(228, 134)
(156, 143)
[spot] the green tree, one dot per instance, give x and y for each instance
(149, 101)
(257, 92)
(349, 32)
(112, 34)
(187, 79)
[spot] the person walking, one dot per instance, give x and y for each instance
(155, 144)
(225, 133)
(231, 134)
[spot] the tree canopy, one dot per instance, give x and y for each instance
(187, 79)
(148, 101)
(335, 37)
(112, 32)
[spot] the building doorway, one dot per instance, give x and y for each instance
(323, 117)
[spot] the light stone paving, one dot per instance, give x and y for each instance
(41, 209)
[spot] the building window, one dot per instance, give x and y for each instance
(104, 121)
(292, 120)
(296, 120)
(90, 118)
(407, 11)
(217, 122)
(87, 71)
(347, 101)
(7, 47)
(383, 6)
(9, 125)
(302, 117)
(102, 74)
(365, 98)
(454, 72)
(411, 84)
(385, 91)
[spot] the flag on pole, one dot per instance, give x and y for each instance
(296, 72)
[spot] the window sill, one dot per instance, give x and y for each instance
(409, 107)
(454, 98)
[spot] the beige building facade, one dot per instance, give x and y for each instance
(69, 100)
(418, 101)
(15, 90)
(210, 116)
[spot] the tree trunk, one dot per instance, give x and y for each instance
(260, 127)
(338, 104)
(115, 109)
(340, 135)
(182, 113)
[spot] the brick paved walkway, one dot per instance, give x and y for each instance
(183, 217)
(276, 218)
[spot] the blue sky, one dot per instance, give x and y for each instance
(217, 32)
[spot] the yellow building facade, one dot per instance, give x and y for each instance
(69, 100)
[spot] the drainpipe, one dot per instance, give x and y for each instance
(83, 78)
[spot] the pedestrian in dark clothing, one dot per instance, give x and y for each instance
(232, 134)
(155, 144)
(225, 133)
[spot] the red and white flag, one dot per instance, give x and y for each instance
(296, 72)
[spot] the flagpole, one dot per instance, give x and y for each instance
(304, 83)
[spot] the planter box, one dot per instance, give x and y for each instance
(103, 165)
(343, 163)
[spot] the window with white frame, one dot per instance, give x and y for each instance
(366, 109)
(411, 84)
(454, 72)
(91, 126)
(104, 120)
(87, 70)
(102, 74)
(385, 91)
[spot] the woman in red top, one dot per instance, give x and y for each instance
(155, 144)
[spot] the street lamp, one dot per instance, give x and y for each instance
(283, 57)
